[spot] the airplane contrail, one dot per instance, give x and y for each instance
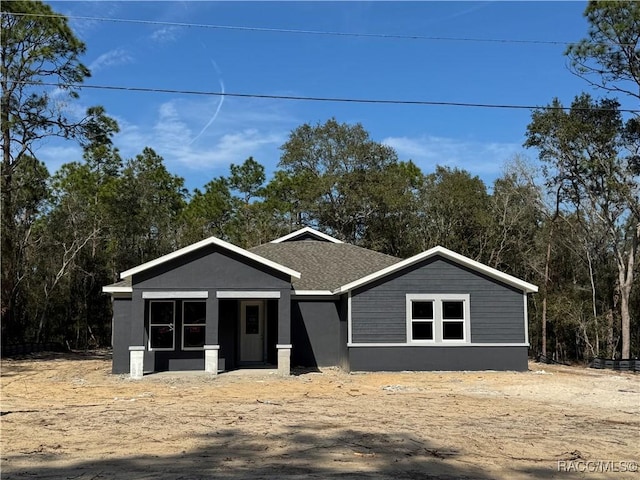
(215, 115)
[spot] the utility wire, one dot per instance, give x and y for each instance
(304, 32)
(306, 98)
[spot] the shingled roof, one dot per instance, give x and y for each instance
(324, 265)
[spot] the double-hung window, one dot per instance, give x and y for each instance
(438, 318)
(193, 324)
(162, 333)
(422, 319)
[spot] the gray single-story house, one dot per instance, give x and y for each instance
(308, 299)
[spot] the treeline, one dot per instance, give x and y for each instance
(95, 218)
(572, 228)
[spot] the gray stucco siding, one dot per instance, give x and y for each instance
(378, 310)
(121, 334)
(212, 268)
(395, 359)
(315, 333)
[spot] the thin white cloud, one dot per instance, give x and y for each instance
(112, 58)
(237, 147)
(86, 27)
(54, 156)
(165, 34)
(176, 125)
(479, 158)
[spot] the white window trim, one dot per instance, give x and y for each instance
(173, 347)
(437, 300)
(164, 295)
(192, 325)
(257, 294)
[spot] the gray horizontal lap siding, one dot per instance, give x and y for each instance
(378, 310)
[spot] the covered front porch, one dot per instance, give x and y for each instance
(211, 331)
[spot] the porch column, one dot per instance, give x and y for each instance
(212, 321)
(136, 362)
(136, 342)
(211, 346)
(284, 333)
(211, 359)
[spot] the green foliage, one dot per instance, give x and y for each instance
(151, 201)
(337, 170)
(207, 214)
(393, 225)
(34, 49)
(584, 154)
(65, 236)
(610, 56)
(516, 212)
(247, 179)
(456, 209)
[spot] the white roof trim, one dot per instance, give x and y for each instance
(456, 257)
(258, 294)
(109, 289)
(308, 230)
(203, 243)
(312, 293)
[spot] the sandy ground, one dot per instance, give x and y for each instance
(66, 417)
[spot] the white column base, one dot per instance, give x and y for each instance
(136, 362)
(211, 359)
(284, 360)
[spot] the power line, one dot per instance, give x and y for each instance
(303, 32)
(307, 98)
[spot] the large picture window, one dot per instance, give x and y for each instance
(441, 318)
(161, 325)
(194, 314)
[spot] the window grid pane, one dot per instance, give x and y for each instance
(453, 330)
(161, 336)
(422, 330)
(194, 336)
(453, 310)
(161, 313)
(194, 318)
(422, 310)
(161, 328)
(194, 313)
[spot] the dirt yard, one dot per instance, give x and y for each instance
(66, 417)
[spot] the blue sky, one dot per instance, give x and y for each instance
(199, 137)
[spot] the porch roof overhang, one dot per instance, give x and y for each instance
(203, 243)
(123, 286)
(526, 287)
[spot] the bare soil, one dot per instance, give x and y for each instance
(64, 416)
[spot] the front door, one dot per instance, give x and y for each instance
(252, 331)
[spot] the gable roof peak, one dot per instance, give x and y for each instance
(449, 254)
(307, 231)
(210, 241)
